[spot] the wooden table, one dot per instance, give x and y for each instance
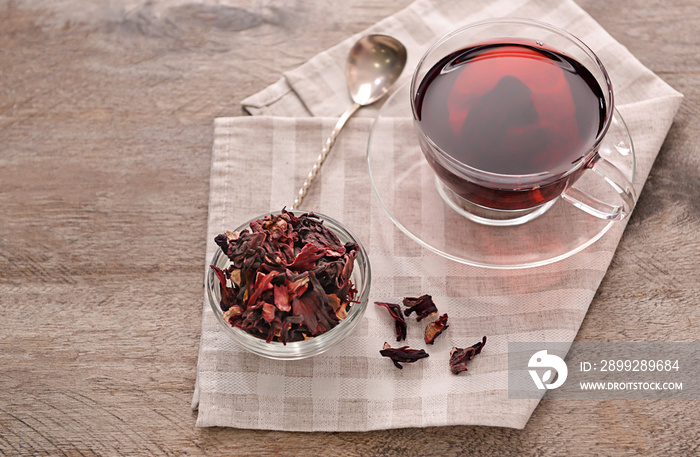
(106, 113)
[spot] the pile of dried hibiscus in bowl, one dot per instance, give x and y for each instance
(289, 278)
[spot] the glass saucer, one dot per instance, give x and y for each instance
(406, 188)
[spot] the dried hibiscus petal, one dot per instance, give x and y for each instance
(232, 313)
(307, 258)
(400, 323)
(340, 308)
(288, 327)
(314, 313)
(268, 312)
(282, 298)
(403, 354)
(434, 329)
(262, 283)
(423, 306)
(460, 356)
(312, 230)
(227, 294)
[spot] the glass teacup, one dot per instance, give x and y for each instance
(509, 114)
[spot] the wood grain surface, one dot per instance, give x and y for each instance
(106, 112)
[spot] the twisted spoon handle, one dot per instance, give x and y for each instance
(323, 155)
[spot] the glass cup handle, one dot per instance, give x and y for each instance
(614, 177)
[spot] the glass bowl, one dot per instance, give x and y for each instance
(361, 278)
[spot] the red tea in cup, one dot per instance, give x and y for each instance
(509, 121)
(510, 109)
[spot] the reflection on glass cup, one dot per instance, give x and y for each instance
(509, 113)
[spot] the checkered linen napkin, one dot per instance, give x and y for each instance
(259, 162)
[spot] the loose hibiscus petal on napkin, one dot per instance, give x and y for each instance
(400, 323)
(434, 329)
(402, 355)
(460, 356)
(423, 306)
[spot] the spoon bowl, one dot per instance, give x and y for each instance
(374, 65)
